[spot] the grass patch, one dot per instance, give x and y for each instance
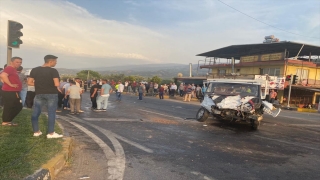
(20, 153)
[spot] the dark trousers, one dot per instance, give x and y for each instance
(140, 95)
(66, 102)
(30, 98)
(94, 102)
(11, 105)
(60, 98)
(181, 93)
(161, 95)
(173, 92)
(272, 100)
(1, 99)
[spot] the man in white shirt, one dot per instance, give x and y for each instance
(126, 86)
(173, 89)
(120, 88)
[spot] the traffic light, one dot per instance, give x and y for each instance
(295, 79)
(288, 78)
(14, 34)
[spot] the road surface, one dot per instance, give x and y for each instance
(157, 139)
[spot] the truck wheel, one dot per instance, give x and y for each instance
(255, 124)
(202, 115)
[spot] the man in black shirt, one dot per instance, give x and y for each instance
(93, 94)
(46, 81)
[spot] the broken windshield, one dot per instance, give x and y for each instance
(233, 89)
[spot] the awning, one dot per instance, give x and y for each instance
(237, 51)
(315, 89)
(191, 80)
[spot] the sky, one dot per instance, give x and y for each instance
(103, 33)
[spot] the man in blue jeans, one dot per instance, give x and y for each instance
(46, 81)
(120, 88)
(105, 92)
(24, 89)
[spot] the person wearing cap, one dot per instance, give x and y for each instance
(10, 92)
(46, 81)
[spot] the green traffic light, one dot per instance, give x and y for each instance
(14, 43)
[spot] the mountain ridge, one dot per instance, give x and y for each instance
(164, 71)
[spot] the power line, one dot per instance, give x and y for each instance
(264, 22)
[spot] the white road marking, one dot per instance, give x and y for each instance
(305, 125)
(116, 161)
(112, 119)
(132, 143)
(301, 118)
(286, 142)
(160, 114)
(111, 134)
(200, 174)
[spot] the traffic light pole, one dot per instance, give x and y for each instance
(290, 83)
(9, 55)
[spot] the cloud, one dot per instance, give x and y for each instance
(66, 28)
(155, 31)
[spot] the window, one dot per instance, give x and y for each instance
(271, 71)
(302, 74)
(222, 71)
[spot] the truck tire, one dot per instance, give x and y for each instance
(255, 124)
(202, 114)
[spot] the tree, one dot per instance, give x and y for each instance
(92, 74)
(166, 81)
(67, 76)
(114, 77)
(139, 78)
(130, 78)
(156, 79)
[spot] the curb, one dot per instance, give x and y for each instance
(53, 166)
(300, 110)
(307, 110)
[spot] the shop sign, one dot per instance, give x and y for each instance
(249, 59)
(263, 57)
(274, 81)
(272, 57)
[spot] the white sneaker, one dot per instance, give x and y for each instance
(37, 134)
(81, 111)
(54, 135)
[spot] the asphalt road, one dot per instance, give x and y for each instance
(161, 140)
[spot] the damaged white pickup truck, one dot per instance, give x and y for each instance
(237, 101)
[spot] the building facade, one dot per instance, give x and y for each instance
(229, 63)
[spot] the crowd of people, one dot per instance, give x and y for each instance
(43, 87)
(43, 82)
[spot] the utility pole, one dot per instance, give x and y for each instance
(290, 83)
(9, 55)
(9, 49)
